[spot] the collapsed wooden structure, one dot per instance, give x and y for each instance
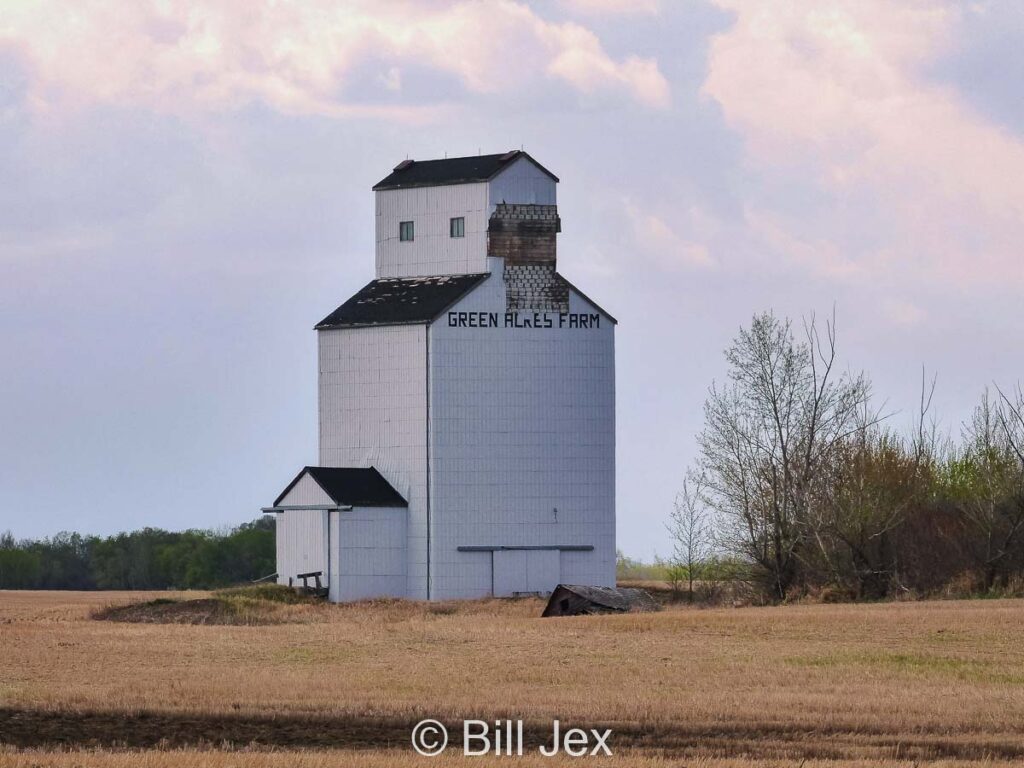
(581, 600)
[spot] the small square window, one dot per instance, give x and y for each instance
(405, 231)
(457, 227)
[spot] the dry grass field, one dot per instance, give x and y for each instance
(887, 684)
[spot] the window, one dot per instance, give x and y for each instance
(405, 231)
(457, 227)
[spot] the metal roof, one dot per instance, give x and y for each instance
(412, 300)
(452, 170)
(351, 486)
(401, 300)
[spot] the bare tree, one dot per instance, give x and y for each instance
(1010, 413)
(987, 480)
(692, 534)
(769, 434)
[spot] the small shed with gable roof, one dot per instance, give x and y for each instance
(347, 524)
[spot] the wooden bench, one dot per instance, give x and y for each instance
(319, 590)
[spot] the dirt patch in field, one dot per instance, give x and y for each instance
(274, 604)
(210, 610)
(29, 728)
(254, 605)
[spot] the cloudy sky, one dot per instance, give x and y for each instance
(186, 190)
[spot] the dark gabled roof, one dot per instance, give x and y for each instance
(452, 170)
(401, 300)
(351, 487)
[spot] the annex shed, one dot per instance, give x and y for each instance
(579, 600)
(347, 523)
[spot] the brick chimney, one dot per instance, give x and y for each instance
(524, 236)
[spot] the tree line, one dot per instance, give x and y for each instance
(147, 559)
(803, 481)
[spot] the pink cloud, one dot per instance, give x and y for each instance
(176, 56)
(670, 247)
(833, 94)
(614, 7)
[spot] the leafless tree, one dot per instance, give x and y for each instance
(988, 480)
(769, 434)
(690, 527)
(1010, 413)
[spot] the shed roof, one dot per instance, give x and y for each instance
(452, 170)
(401, 300)
(351, 486)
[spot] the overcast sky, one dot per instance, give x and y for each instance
(185, 191)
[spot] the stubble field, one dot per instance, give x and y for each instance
(887, 684)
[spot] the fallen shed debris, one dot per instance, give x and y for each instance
(580, 600)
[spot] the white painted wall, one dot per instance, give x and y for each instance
(510, 572)
(307, 492)
(521, 182)
(434, 251)
(522, 424)
(301, 533)
(301, 538)
(368, 553)
(518, 571)
(373, 412)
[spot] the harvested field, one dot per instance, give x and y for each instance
(405, 758)
(155, 730)
(878, 684)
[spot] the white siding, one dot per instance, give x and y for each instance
(509, 572)
(307, 492)
(368, 553)
(543, 570)
(301, 543)
(301, 533)
(529, 570)
(522, 425)
(433, 251)
(521, 182)
(373, 412)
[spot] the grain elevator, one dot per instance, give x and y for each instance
(466, 402)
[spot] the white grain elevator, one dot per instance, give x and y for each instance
(466, 402)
